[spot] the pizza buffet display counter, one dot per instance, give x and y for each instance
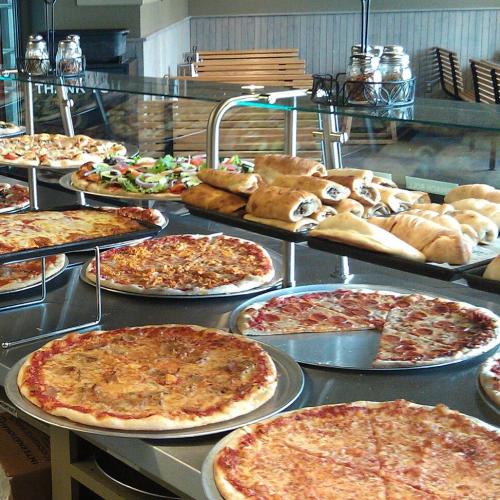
(176, 463)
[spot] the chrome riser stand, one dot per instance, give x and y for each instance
(65, 105)
(29, 123)
(332, 138)
(287, 247)
(95, 322)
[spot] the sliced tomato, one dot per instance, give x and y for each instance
(10, 156)
(197, 161)
(177, 188)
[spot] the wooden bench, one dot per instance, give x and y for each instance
(486, 78)
(450, 75)
(276, 67)
(245, 131)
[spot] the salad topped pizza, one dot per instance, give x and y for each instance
(164, 178)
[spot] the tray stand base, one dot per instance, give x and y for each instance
(95, 322)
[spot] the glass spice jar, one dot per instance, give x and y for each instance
(363, 79)
(36, 56)
(395, 67)
(68, 58)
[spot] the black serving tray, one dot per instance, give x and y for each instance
(445, 272)
(148, 231)
(475, 279)
(238, 221)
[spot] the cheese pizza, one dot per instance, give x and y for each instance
(13, 197)
(415, 329)
(56, 150)
(156, 377)
(24, 231)
(19, 275)
(189, 264)
(363, 450)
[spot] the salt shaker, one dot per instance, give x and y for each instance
(68, 58)
(363, 77)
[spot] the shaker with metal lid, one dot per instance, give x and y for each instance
(396, 68)
(362, 75)
(36, 56)
(68, 58)
(394, 49)
(76, 39)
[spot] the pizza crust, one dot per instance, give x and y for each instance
(257, 397)
(50, 270)
(490, 380)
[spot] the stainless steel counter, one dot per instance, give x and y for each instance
(178, 462)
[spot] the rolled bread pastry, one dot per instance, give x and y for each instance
(357, 173)
(230, 181)
(484, 207)
(492, 271)
(290, 205)
(324, 212)
(390, 196)
(382, 181)
(481, 191)
(326, 190)
(210, 198)
(441, 208)
(302, 225)
(352, 230)
(351, 206)
(366, 194)
(378, 210)
(412, 197)
(437, 243)
(449, 223)
(485, 228)
(270, 166)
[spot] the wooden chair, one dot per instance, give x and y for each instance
(450, 75)
(486, 78)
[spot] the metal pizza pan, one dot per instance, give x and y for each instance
(146, 231)
(21, 131)
(486, 399)
(65, 182)
(275, 282)
(34, 285)
(354, 350)
(290, 385)
(132, 150)
(16, 209)
(475, 279)
(481, 255)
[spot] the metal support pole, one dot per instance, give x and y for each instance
(288, 248)
(65, 105)
(29, 123)
(213, 126)
(332, 139)
(288, 263)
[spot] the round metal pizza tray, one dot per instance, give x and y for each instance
(16, 209)
(21, 131)
(132, 149)
(484, 395)
(290, 385)
(34, 285)
(275, 282)
(65, 182)
(354, 350)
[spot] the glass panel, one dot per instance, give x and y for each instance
(161, 87)
(440, 112)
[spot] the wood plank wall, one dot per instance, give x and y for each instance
(325, 39)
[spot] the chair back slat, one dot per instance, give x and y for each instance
(449, 72)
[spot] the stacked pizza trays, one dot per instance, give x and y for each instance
(404, 330)
(391, 450)
(172, 380)
(185, 265)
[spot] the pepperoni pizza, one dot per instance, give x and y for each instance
(415, 329)
(13, 197)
